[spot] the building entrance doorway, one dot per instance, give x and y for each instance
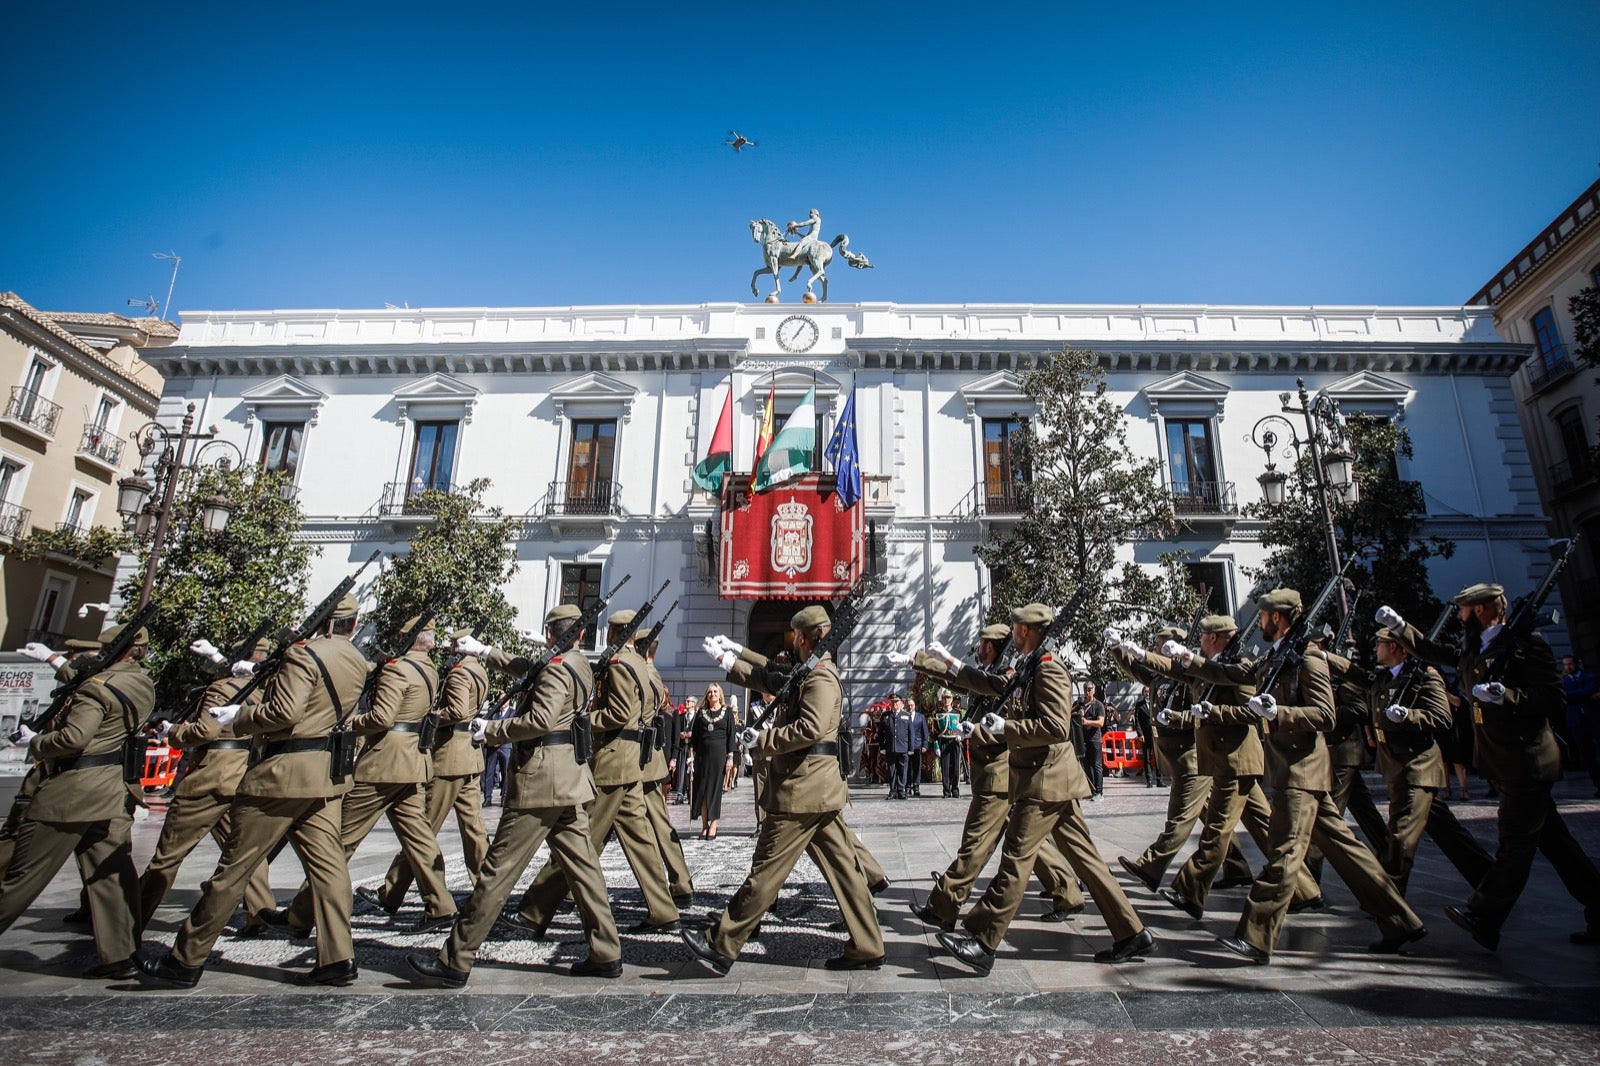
(769, 631)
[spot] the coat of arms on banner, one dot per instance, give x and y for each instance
(791, 538)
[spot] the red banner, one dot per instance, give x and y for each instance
(798, 542)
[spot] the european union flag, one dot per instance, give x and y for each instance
(845, 455)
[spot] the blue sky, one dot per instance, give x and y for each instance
(348, 155)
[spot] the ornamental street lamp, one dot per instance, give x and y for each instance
(146, 504)
(1332, 464)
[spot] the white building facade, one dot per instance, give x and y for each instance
(589, 421)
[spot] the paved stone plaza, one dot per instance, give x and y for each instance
(1321, 1000)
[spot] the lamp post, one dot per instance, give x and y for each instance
(146, 505)
(1332, 464)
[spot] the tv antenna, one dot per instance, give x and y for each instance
(175, 260)
(149, 303)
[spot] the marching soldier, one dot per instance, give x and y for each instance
(1047, 783)
(1347, 749)
(991, 802)
(82, 806)
(803, 794)
(457, 767)
(201, 801)
(656, 774)
(628, 691)
(391, 778)
(1176, 755)
(1517, 753)
(1294, 716)
(291, 792)
(549, 788)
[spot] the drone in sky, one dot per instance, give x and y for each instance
(738, 141)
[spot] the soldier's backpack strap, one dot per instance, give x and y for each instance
(422, 674)
(644, 701)
(133, 745)
(583, 691)
(327, 683)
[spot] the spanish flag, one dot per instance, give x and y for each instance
(764, 431)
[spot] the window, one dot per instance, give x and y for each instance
(580, 584)
(78, 511)
(1210, 581)
(1005, 464)
(1191, 460)
(102, 414)
(280, 447)
(433, 457)
(1548, 339)
(10, 478)
(590, 466)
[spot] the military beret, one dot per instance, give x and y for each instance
(264, 644)
(79, 644)
(415, 620)
(1479, 593)
(1218, 623)
(1170, 633)
(1384, 633)
(347, 607)
(457, 634)
(622, 618)
(1281, 600)
(998, 631)
(113, 632)
(810, 618)
(1034, 614)
(562, 612)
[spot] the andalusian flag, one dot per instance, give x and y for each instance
(792, 453)
(764, 431)
(719, 457)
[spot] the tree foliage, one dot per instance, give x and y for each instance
(1381, 533)
(1085, 499)
(1585, 309)
(459, 562)
(221, 586)
(93, 546)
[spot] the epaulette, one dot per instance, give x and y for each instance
(613, 659)
(556, 659)
(1045, 657)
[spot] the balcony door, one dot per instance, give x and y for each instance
(1192, 464)
(433, 457)
(1005, 467)
(590, 466)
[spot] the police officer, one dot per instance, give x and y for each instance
(897, 729)
(549, 788)
(291, 792)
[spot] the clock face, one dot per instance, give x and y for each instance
(797, 333)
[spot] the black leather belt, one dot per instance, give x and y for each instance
(824, 747)
(546, 741)
(602, 739)
(272, 749)
(85, 762)
(406, 727)
(461, 727)
(223, 745)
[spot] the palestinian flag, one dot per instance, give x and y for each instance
(708, 474)
(793, 450)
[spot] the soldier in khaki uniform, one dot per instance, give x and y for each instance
(391, 779)
(457, 766)
(291, 793)
(1347, 749)
(82, 807)
(656, 773)
(1295, 715)
(1516, 752)
(991, 785)
(1176, 755)
(1047, 781)
(545, 802)
(200, 804)
(626, 690)
(804, 794)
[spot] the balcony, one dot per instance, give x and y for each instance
(581, 504)
(102, 448)
(72, 529)
(1199, 501)
(13, 521)
(1547, 368)
(32, 413)
(1569, 475)
(986, 501)
(402, 502)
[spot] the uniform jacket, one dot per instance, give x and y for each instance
(797, 781)
(990, 766)
(1407, 752)
(1175, 743)
(898, 731)
(1296, 751)
(548, 775)
(94, 722)
(296, 706)
(625, 691)
(466, 686)
(403, 695)
(1347, 740)
(212, 772)
(666, 727)
(1037, 735)
(1225, 748)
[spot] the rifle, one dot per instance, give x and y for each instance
(1030, 662)
(1174, 686)
(655, 630)
(399, 648)
(1231, 654)
(583, 745)
(846, 616)
(211, 673)
(979, 705)
(1355, 672)
(1414, 665)
(1292, 648)
(87, 667)
(1523, 618)
(562, 644)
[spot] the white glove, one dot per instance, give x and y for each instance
(1178, 652)
(1112, 637)
(899, 658)
(748, 737)
(206, 650)
(1493, 692)
(994, 724)
(939, 651)
(23, 736)
(728, 645)
(470, 645)
(34, 650)
(243, 668)
(1201, 710)
(967, 729)
(865, 721)
(727, 661)
(1263, 706)
(1389, 618)
(475, 729)
(226, 713)
(1396, 713)
(1164, 716)
(712, 648)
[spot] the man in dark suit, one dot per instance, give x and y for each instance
(919, 743)
(895, 728)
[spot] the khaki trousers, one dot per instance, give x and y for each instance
(620, 808)
(105, 863)
(870, 866)
(189, 819)
(311, 827)
(1232, 800)
(515, 840)
(1349, 792)
(779, 844)
(1028, 825)
(13, 823)
(1299, 820)
(363, 806)
(980, 835)
(679, 882)
(441, 796)
(1529, 822)
(1409, 810)
(1185, 802)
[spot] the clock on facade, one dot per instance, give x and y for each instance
(797, 333)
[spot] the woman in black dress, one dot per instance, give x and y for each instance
(712, 743)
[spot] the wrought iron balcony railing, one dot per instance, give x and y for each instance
(602, 498)
(33, 411)
(401, 497)
(102, 444)
(1200, 498)
(14, 521)
(1548, 367)
(1571, 474)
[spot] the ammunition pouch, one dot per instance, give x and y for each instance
(341, 754)
(582, 737)
(647, 744)
(428, 735)
(133, 755)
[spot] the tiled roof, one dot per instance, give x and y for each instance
(46, 321)
(153, 327)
